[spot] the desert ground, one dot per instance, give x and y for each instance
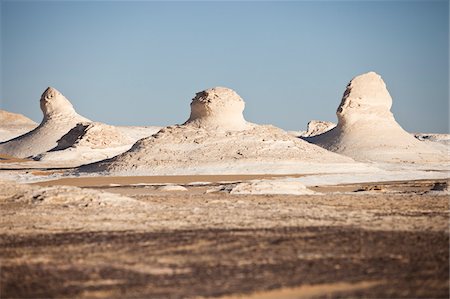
(375, 240)
(219, 207)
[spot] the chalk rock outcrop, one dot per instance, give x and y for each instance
(367, 130)
(217, 108)
(434, 138)
(55, 196)
(13, 125)
(217, 139)
(93, 135)
(317, 127)
(89, 142)
(14, 119)
(59, 118)
(274, 186)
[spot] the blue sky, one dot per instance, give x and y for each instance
(140, 63)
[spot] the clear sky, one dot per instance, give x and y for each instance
(140, 63)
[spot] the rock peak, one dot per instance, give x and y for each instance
(367, 130)
(217, 108)
(50, 92)
(365, 94)
(53, 102)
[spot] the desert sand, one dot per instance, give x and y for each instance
(219, 207)
(366, 240)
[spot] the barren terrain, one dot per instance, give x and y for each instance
(221, 207)
(369, 240)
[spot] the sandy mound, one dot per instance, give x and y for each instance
(13, 125)
(317, 127)
(59, 118)
(367, 130)
(230, 145)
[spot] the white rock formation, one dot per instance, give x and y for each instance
(210, 142)
(90, 142)
(317, 127)
(172, 188)
(13, 125)
(59, 118)
(269, 187)
(62, 196)
(14, 119)
(217, 108)
(367, 130)
(438, 141)
(432, 137)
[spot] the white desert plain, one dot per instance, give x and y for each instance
(221, 207)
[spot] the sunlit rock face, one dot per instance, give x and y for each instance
(217, 139)
(53, 103)
(317, 127)
(365, 98)
(217, 108)
(13, 125)
(59, 118)
(367, 129)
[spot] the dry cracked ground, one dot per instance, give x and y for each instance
(367, 240)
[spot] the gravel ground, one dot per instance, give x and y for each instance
(389, 241)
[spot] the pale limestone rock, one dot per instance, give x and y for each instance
(317, 127)
(13, 125)
(59, 118)
(216, 138)
(217, 108)
(367, 129)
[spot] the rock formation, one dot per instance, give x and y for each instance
(274, 186)
(59, 118)
(13, 125)
(367, 130)
(317, 127)
(217, 108)
(89, 142)
(93, 135)
(217, 139)
(14, 119)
